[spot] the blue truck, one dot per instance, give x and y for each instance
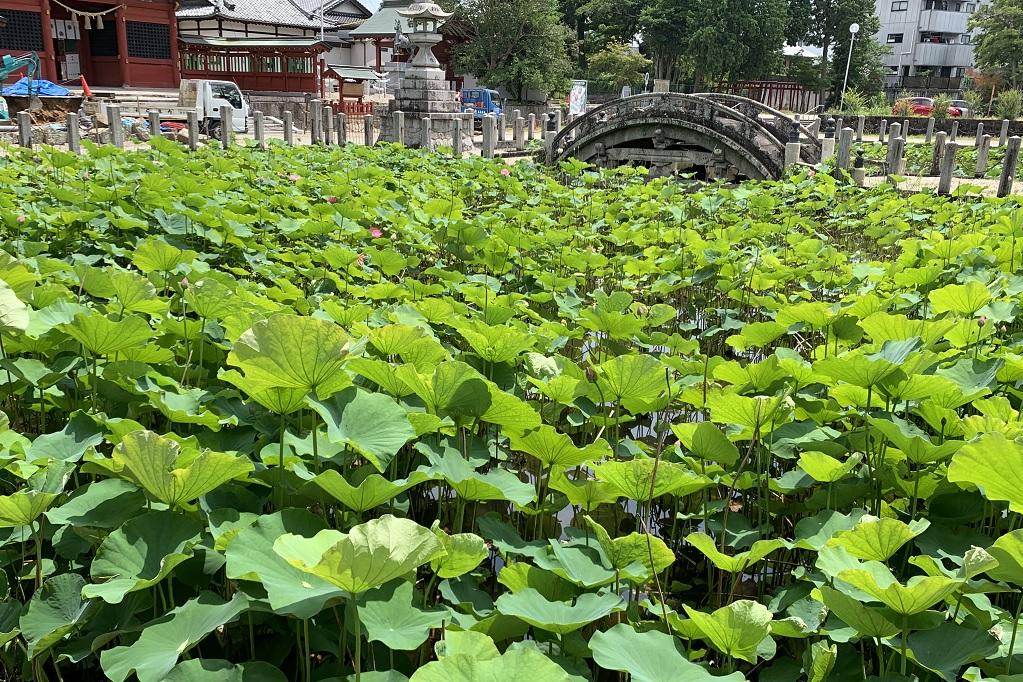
(481, 101)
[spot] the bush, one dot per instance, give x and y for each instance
(976, 102)
(941, 106)
(878, 105)
(902, 108)
(1009, 104)
(855, 102)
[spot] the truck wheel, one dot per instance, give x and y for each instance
(213, 130)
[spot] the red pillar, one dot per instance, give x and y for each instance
(47, 58)
(122, 45)
(380, 57)
(175, 57)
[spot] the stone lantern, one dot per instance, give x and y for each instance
(425, 20)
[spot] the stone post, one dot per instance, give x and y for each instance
(882, 130)
(955, 131)
(948, 166)
(426, 141)
(530, 127)
(940, 141)
(861, 121)
(792, 151)
(192, 120)
(894, 131)
(342, 129)
(845, 142)
(25, 129)
(501, 127)
(930, 130)
(74, 134)
(982, 155)
(456, 137)
(489, 135)
(894, 153)
(154, 123)
(315, 121)
(399, 127)
(859, 173)
(289, 128)
(979, 136)
(258, 129)
(328, 125)
(226, 126)
(116, 127)
(838, 126)
(905, 128)
(1003, 136)
(519, 131)
(368, 131)
(896, 146)
(1009, 166)
(557, 119)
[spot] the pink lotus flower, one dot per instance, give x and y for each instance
(184, 282)
(376, 233)
(505, 172)
(294, 177)
(21, 219)
(982, 320)
(331, 200)
(361, 259)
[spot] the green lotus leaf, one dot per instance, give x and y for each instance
(856, 368)
(588, 494)
(55, 611)
(216, 670)
(635, 548)
(388, 615)
(878, 539)
(819, 660)
(498, 343)
(156, 255)
(964, 299)
(825, 468)
(581, 563)
(277, 399)
(209, 299)
(105, 504)
(289, 590)
(135, 293)
(155, 653)
(813, 532)
(372, 491)
(636, 478)
(706, 441)
(496, 484)
(141, 553)
(102, 336)
(650, 656)
(518, 575)
(454, 389)
(555, 449)
(24, 507)
(946, 649)
(10, 614)
(739, 562)
(754, 415)
(517, 664)
(637, 382)
(372, 424)
(463, 553)
(917, 595)
(381, 373)
(993, 464)
(370, 555)
(868, 621)
(735, 630)
(14, 315)
(290, 351)
(557, 616)
(1007, 550)
(913, 442)
(157, 465)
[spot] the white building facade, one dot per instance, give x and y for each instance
(927, 37)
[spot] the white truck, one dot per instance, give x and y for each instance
(201, 97)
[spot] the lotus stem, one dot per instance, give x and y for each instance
(1012, 640)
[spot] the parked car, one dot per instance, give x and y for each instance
(481, 101)
(924, 106)
(963, 106)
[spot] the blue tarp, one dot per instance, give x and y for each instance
(39, 87)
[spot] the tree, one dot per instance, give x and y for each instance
(519, 44)
(617, 65)
(999, 47)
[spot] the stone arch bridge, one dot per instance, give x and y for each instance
(712, 135)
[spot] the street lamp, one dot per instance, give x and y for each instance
(853, 30)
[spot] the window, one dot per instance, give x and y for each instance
(228, 92)
(24, 31)
(971, 7)
(894, 37)
(900, 5)
(148, 41)
(965, 39)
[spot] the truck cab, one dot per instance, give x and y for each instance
(207, 96)
(482, 101)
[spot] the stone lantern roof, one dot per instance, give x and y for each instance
(425, 10)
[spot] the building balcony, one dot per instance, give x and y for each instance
(942, 54)
(939, 21)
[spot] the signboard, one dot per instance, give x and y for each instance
(577, 98)
(662, 85)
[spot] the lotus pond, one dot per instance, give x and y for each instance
(377, 415)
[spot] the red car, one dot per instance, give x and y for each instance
(924, 106)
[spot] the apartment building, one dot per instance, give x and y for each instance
(927, 37)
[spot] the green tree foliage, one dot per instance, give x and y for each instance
(617, 65)
(520, 44)
(999, 47)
